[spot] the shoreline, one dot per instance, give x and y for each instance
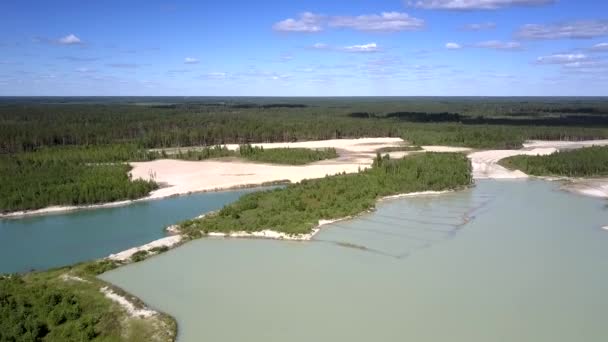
(176, 238)
(59, 209)
(485, 165)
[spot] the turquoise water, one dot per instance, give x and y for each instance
(42, 242)
(505, 261)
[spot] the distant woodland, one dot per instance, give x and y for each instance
(73, 151)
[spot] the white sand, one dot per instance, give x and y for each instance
(485, 163)
(415, 194)
(183, 177)
(126, 304)
(60, 209)
(564, 144)
(168, 241)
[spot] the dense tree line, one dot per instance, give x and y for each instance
(298, 208)
(72, 176)
(26, 126)
(585, 162)
(39, 311)
(80, 175)
(66, 304)
(289, 156)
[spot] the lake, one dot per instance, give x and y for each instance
(46, 241)
(503, 261)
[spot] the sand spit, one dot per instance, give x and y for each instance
(594, 187)
(416, 194)
(168, 241)
(62, 209)
(485, 163)
(564, 144)
(126, 304)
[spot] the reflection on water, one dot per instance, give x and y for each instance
(504, 261)
(41, 242)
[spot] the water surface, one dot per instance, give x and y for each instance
(505, 261)
(42, 242)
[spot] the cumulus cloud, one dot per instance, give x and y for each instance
(600, 47)
(191, 60)
(498, 45)
(475, 4)
(365, 48)
(70, 39)
(479, 26)
(384, 22)
(307, 22)
(453, 46)
(562, 59)
(569, 30)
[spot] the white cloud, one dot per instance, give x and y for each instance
(498, 45)
(600, 47)
(562, 59)
(569, 30)
(85, 70)
(191, 60)
(70, 39)
(365, 48)
(307, 22)
(320, 46)
(215, 75)
(475, 4)
(384, 22)
(453, 46)
(479, 26)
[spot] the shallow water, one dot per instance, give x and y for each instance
(42, 242)
(504, 261)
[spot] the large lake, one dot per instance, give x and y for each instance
(42, 242)
(504, 261)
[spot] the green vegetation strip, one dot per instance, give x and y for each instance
(68, 304)
(87, 175)
(585, 162)
(298, 208)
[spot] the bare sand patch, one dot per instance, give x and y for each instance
(184, 177)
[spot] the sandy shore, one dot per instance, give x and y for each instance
(61, 209)
(125, 255)
(183, 177)
(485, 165)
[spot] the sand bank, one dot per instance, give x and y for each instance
(594, 187)
(126, 304)
(485, 163)
(61, 209)
(168, 241)
(183, 177)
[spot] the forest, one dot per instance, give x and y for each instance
(585, 162)
(66, 305)
(71, 151)
(82, 175)
(28, 124)
(297, 208)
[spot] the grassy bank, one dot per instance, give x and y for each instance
(298, 208)
(585, 162)
(68, 304)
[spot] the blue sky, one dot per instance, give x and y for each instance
(304, 48)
